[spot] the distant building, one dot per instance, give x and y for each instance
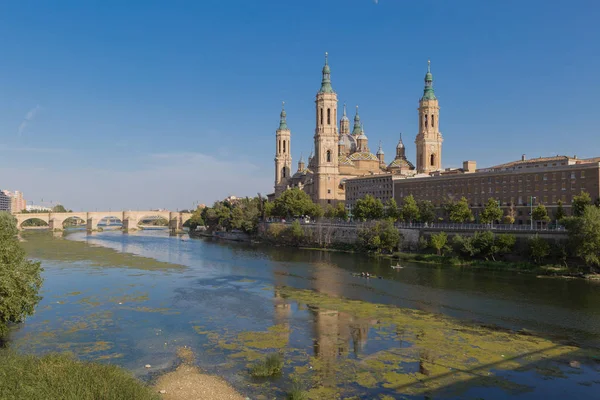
(17, 202)
(516, 186)
(32, 207)
(5, 202)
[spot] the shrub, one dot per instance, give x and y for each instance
(55, 376)
(296, 392)
(438, 242)
(379, 236)
(269, 367)
(20, 279)
(422, 244)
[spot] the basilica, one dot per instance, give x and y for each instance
(340, 153)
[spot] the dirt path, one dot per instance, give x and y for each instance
(187, 382)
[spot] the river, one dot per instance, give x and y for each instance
(419, 332)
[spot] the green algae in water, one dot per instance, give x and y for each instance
(44, 246)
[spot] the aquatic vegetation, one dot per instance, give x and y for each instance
(270, 366)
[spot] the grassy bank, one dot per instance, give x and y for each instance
(521, 266)
(59, 376)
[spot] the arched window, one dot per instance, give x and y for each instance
(432, 119)
(425, 116)
(321, 116)
(279, 142)
(433, 160)
(284, 146)
(328, 156)
(329, 116)
(283, 172)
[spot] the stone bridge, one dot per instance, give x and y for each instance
(130, 219)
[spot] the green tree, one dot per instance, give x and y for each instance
(491, 212)
(560, 211)
(410, 210)
(340, 211)
(391, 210)
(540, 213)
(294, 203)
(20, 279)
(329, 211)
(426, 211)
(368, 208)
(438, 242)
(584, 234)
(539, 249)
(379, 236)
(59, 208)
(459, 211)
(579, 203)
(196, 219)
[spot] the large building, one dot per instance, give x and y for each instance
(517, 185)
(17, 202)
(4, 202)
(340, 153)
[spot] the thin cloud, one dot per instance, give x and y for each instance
(31, 149)
(28, 118)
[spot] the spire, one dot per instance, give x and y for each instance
(400, 142)
(428, 91)
(282, 121)
(326, 82)
(344, 117)
(356, 130)
(380, 151)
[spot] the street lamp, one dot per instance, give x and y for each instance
(531, 214)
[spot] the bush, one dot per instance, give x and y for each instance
(438, 242)
(269, 367)
(61, 377)
(296, 392)
(20, 279)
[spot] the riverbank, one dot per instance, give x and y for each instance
(62, 377)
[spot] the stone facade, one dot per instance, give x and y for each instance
(340, 154)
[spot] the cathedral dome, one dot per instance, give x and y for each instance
(343, 160)
(401, 163)
(349, 142)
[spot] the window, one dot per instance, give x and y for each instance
(283, 172)
(425, 116)
(432, 119)
(583, 174)
(564, 186)
(572, 175)
(328, 156)
(284, 146)
(321, 110)
(329, 116)
(328, 191)
(279, 146)
(545, 177)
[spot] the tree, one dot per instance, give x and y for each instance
(379, 236)
(584, 234)
(459, 211)
(294, 203)
(438, 242)
(329, 211)
(410, 210)
(540, 214)
(196, 219)
(368, 208)
(538, 249)
(20, 279)
(491, 212)
(560, 211)
(391, 210)
(426, 211)
(59, 208)
(579, 203)
(341, 212)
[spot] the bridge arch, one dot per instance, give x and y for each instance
(33, 222)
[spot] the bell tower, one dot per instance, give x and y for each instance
(283, 158)
(429, 139)
(326, 141)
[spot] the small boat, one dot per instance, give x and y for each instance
(397, 266)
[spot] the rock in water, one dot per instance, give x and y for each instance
(148, 366)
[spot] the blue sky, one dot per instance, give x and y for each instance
(147, 104)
